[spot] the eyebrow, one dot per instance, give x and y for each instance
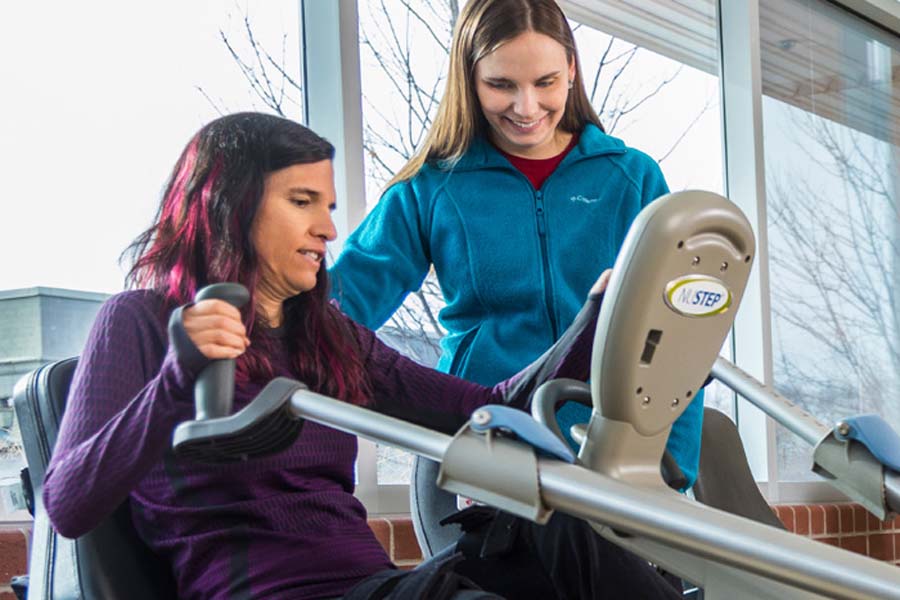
(303, 190)
(504, 79)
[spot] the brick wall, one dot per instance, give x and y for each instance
(847, 526)
(398, 538)
(13, 557)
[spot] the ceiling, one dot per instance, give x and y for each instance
(814, 55)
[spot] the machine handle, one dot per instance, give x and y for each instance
(551, 395)
(214, 389)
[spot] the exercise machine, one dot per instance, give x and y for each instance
(670, 304)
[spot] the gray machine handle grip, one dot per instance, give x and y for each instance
(214, 389)
(552, 394)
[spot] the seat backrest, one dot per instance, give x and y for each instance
(110, 562)
(724, 479)
(428, 504)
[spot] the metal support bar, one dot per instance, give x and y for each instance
(771, 402)
(370, 424)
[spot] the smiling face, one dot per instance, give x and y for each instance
(522, 87)
(290, 230)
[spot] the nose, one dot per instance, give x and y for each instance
(526, 102)
(324, 227)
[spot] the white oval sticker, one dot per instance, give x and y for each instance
(697, 296)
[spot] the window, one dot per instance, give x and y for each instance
(831, 116)
(98, 116)
(404, 58)
(655, 86)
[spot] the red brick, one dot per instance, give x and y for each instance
(10, 595)
(873, 523)
(801, 519)
(786, 514)
(854, 543)
(832, 521)
(406, 547)
(26, 531)
(860, 519)
(382, 530)
(13, 555)
(846, 518)
(831, 541)
(893, 525)
(817, 519)
(881, 546)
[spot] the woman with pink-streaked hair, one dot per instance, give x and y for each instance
(250, 201)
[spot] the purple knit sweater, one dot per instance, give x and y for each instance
(282, 526)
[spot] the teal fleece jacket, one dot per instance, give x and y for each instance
(514, 263)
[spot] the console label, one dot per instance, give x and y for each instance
(697, 296)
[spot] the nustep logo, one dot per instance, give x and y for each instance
(698, 296)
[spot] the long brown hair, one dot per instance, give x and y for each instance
(483, 26)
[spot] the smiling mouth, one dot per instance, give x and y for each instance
(525, 126)
(313, 255)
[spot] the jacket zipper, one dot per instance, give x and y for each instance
(545, 263)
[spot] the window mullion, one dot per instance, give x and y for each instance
(332, 101)
(741, 80)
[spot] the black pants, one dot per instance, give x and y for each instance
(564, 559)
(520, 560)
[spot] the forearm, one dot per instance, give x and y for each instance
(569, 357)
(421, 395)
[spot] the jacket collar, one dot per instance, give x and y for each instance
(592, 142)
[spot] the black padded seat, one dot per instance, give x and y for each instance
(110, 562)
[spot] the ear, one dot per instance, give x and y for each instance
(572, 69)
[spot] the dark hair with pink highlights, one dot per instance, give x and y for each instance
(201, 235)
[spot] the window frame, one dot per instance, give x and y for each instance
(331, 66)
(331, 45)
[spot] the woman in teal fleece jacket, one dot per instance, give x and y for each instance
(517, 197)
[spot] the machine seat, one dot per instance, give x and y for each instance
(110, 562)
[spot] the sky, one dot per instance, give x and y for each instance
(98, 98)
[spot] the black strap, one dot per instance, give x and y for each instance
(471, 518)
(487, 532)
(376, 587)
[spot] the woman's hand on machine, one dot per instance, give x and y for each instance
(216, 329)
(600, 285)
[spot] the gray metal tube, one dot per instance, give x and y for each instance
(892, 490)
(716, 535)
(370, 424)
(771, 402)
